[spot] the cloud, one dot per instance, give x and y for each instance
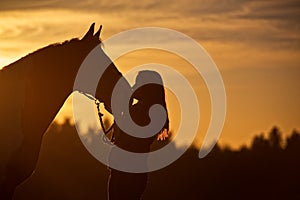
(250, 8)
(260, 24)
(284, 14)
(273, 24)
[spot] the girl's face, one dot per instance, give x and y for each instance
(151, 93)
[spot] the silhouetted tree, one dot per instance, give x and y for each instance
(275, 138)
(293, 142)
(260, 143)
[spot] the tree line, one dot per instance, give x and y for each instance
(267, 169)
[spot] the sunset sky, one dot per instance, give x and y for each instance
(255, 44)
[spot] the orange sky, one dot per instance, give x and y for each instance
(255, 44)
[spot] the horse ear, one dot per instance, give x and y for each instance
(90, 32)
(97, 35)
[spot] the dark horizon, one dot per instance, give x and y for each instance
(267, 169)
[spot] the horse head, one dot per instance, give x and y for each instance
(110, 75)
(73, 54)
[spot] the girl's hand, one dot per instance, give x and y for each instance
(163, 135)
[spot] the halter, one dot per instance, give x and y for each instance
(100, 115)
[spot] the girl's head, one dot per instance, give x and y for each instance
(149, 88)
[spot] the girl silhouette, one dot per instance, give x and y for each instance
(130, 186)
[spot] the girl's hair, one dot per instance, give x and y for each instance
(149, 89)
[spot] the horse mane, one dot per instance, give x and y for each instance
(55, 47)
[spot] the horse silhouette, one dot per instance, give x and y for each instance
(33, 89)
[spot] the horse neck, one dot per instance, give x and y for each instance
(12, 88)
(46, 89)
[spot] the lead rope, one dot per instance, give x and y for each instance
(100, 115)
(104, 138)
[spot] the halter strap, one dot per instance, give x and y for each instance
(100, 115)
